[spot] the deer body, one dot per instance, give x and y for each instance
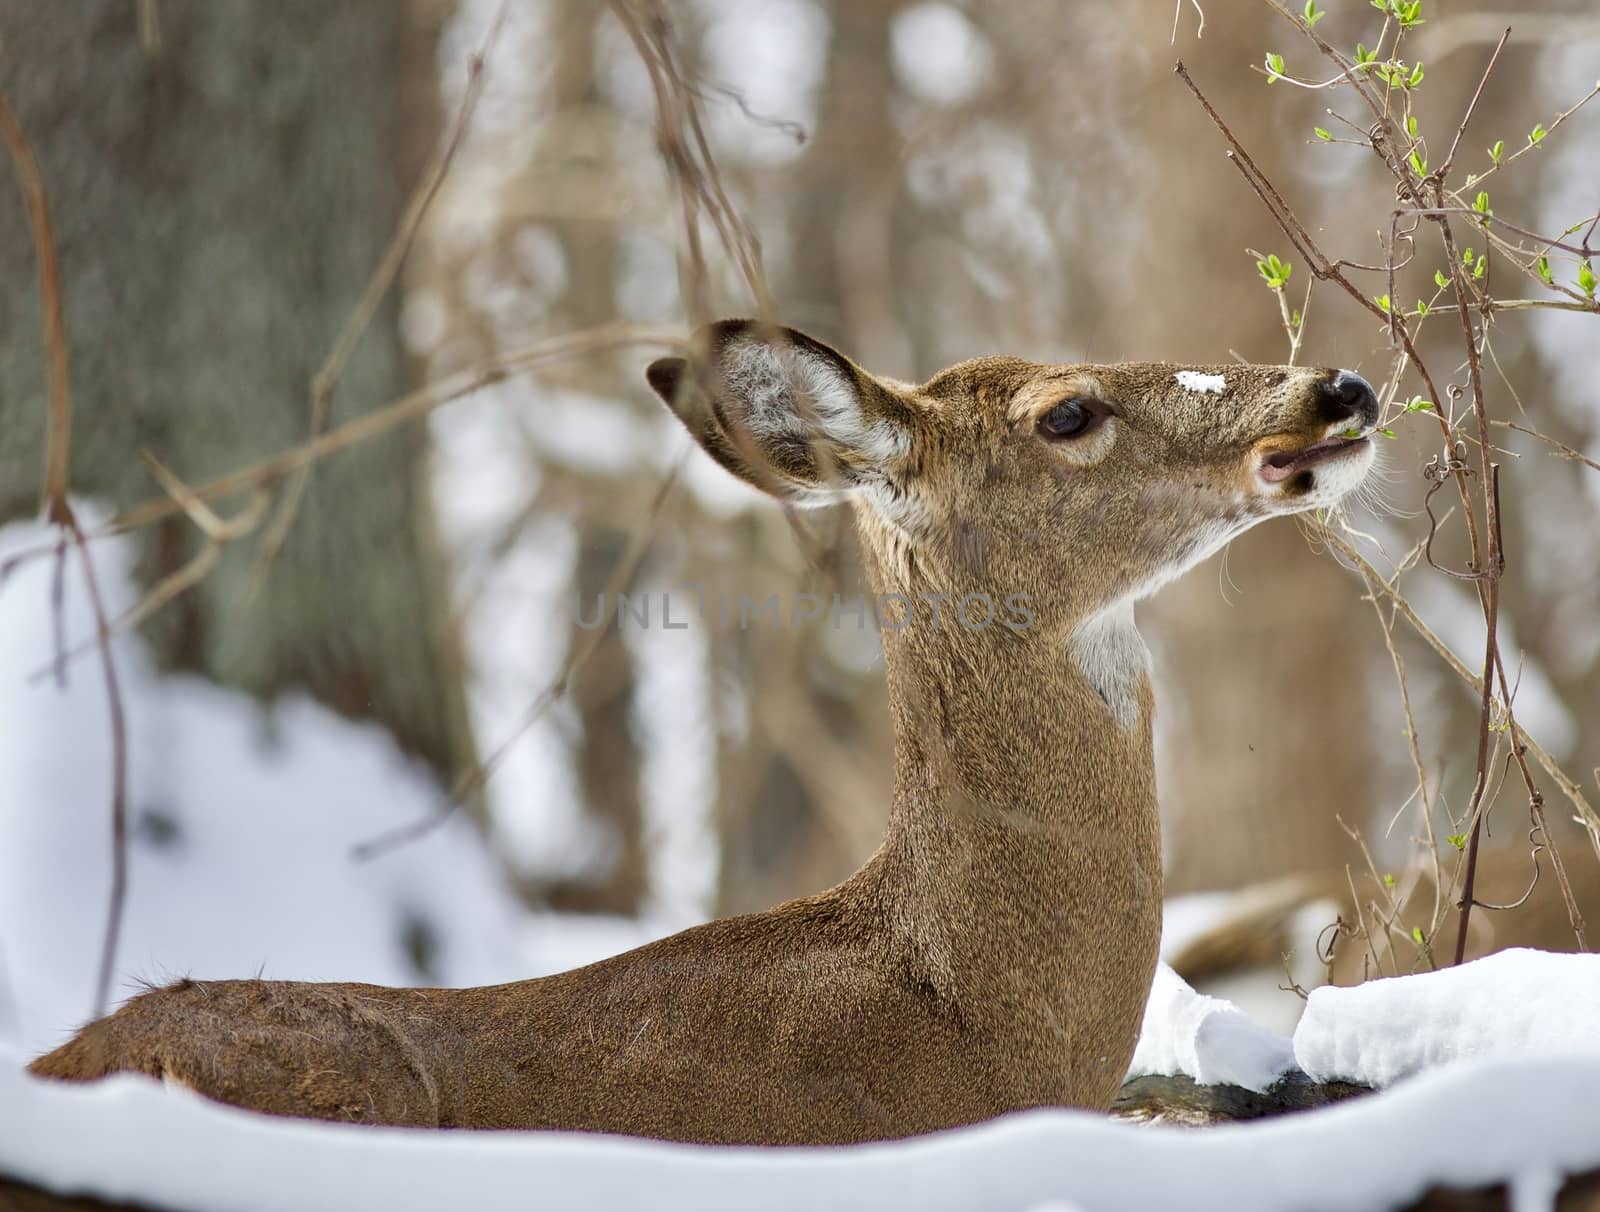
(996, 951)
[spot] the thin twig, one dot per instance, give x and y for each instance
(58, 442)
(118, 896)
(1586, 813)
(1481, 776)
(681, 137)
(217, 532)
(1434, 212)
(401, 411)
(1562, 450)
(58, 511)
(1472, 106)
(1506, 161)
(1414, 745)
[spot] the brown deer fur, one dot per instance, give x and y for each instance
(996, 951)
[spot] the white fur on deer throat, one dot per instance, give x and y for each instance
(783, 384)
(1195, 380)
(1110, 653)
(1226, 517)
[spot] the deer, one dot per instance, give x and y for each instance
(995, 952)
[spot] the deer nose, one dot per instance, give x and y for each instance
(1345, 396)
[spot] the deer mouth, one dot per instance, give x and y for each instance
(1281, 464)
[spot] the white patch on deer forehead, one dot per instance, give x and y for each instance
(1194, 380)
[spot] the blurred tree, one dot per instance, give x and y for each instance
(223, 177)
(575, 148)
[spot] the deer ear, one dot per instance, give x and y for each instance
(782, 411)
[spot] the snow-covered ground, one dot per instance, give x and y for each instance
(1206, 1038)
(1516, 1003)
(1470, 1126)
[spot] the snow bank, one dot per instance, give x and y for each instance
(1205, 1038)
(1516, 1003)
(130, 1138)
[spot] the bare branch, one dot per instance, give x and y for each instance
(58, 442)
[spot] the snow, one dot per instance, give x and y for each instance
(1206, 1038)
(1516, 1003)
(1194, 380)
(131, 1138)
(1262, 991)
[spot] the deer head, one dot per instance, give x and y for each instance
(1081, 487)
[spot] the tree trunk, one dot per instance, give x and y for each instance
(220, 197)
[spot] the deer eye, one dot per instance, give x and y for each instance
(1071, 419)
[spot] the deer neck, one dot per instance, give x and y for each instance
(1023, 847)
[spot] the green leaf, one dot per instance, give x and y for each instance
(1322, 134)
(1274, 67)
(1537, 134)
(1481, 203)
(1466, 256)
(1440, 280)
(1418, 162)
(1415, 78)
(1586, 277)
(1498, 150)
(1482, 264)
(1411, 125)
(1388, 433)
(1274, 271)
(1363, 55)
(1416, 936)
(1383, 303)
(1388, 880)
(1458, 840)
(1418, 404)
(1422, 308)
(1545, 275)
(1313, 13)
